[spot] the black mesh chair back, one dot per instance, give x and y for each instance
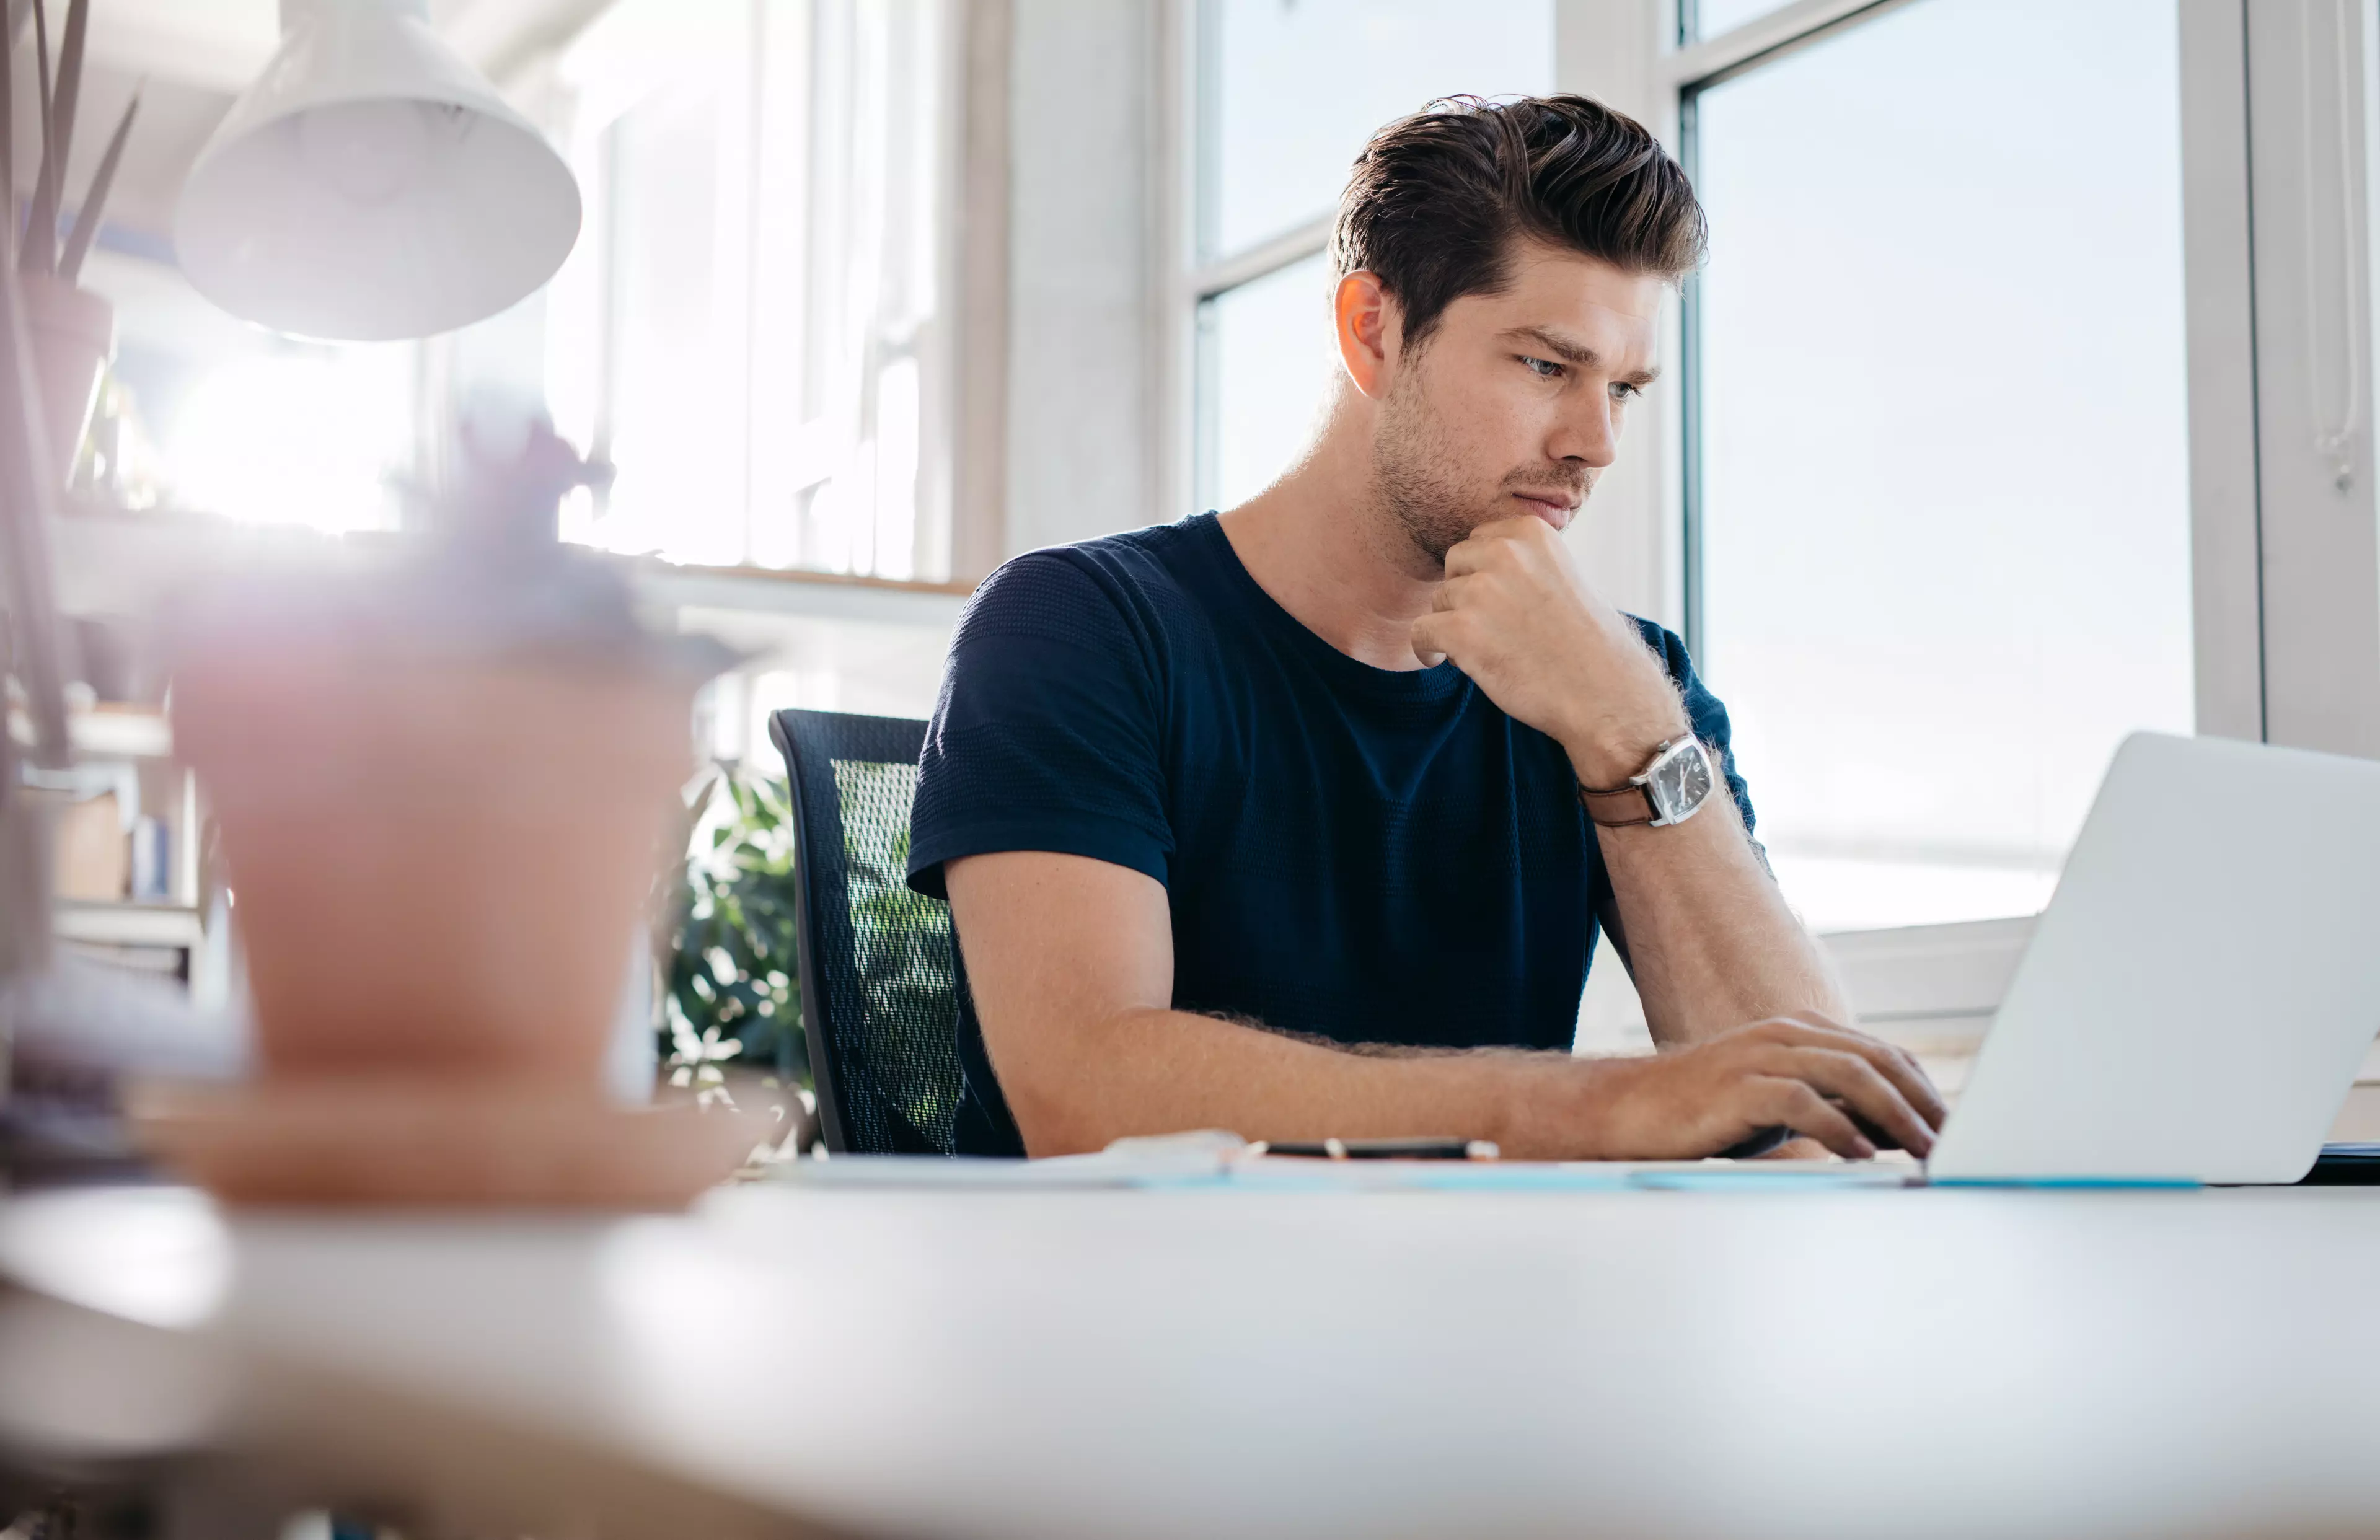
(879, 966)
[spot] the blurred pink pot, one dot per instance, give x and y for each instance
(437, 862)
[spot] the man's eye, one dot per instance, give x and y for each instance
(1543, 369)
(1622, 391)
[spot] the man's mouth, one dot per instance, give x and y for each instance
(1555, 508)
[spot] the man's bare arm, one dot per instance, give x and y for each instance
(1071, 964)
(1711, 941)
(1708, 938)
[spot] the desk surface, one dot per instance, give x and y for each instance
(1065, 1364)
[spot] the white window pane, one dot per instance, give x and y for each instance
(675, 370)
(1946, 511)
(1264, 367)
(1277, 143)
(851, 491)
(754, 326)
(301, 435)
(1712, 17)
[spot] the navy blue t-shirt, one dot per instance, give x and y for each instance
(1365, 855)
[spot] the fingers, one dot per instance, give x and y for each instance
(1455, 633)
(1471, 589)
(1429, 637)
(1486, 544)
(1794, 1104)
(1909, 1077)
(1896, 1065)
(1871, 1098)
(1466, 556)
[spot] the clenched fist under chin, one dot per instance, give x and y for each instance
(1515, 614)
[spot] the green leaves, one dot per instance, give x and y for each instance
(729, 965)
(903, 946)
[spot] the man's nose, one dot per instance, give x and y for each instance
(1588, 434)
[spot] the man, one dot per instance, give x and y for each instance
(1286, 821)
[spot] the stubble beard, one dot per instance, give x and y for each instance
(1418, 487)
(1414, 477)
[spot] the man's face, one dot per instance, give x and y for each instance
(1513, 403)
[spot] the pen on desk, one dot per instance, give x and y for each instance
(1379, 1149)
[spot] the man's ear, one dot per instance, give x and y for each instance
(1368, 325)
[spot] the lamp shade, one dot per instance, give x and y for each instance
(370, 186)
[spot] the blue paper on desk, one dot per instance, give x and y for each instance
(1271, 1174)
(1209, 1160)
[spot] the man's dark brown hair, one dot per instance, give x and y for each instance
(1437, 199)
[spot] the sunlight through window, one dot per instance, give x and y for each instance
(307, 439)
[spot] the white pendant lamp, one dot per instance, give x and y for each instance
(370, 186)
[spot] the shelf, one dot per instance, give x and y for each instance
(929, 606)
(128, 924)
(108, 733)
(112, 563)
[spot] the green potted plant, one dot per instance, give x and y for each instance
(726, 963)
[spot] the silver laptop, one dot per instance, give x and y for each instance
(2199, 994)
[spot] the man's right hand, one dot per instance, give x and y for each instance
(1071, 961)
(1841, 1087)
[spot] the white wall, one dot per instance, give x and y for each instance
(1080, 326)
(1078, 375)
(1627, 542)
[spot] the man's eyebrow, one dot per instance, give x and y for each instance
(1574, 353)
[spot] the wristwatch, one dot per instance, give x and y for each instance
(1672, 789)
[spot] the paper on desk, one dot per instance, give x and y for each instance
(1171, 1160)
(1211, 1158)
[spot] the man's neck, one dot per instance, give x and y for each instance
(1318, 541)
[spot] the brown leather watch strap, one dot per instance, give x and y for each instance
(1642, 796)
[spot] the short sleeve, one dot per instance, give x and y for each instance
(1706, 713)
(1047, 731)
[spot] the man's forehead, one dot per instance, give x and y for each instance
(1570, 283)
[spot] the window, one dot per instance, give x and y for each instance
(1264, 354)
(755, 328)
(1270, 155)
(306, 435)
(1698, 19)
(1939, 496)
(205, 414)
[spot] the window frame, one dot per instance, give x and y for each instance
(1207, 282)
(2253, 477)
(1187, 279)
(2225, 598)
(2229, 597)
(1693, 66)
(962, 525)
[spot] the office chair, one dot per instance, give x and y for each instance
(877, 962)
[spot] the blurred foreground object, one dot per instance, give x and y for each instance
(358, 1140)
(32, 663)
(442, 790)
(60, 1023)
(370, 186)
(72, 330)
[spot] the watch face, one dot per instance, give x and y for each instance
(1681, 783)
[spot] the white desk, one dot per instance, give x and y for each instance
(1200, 1363)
